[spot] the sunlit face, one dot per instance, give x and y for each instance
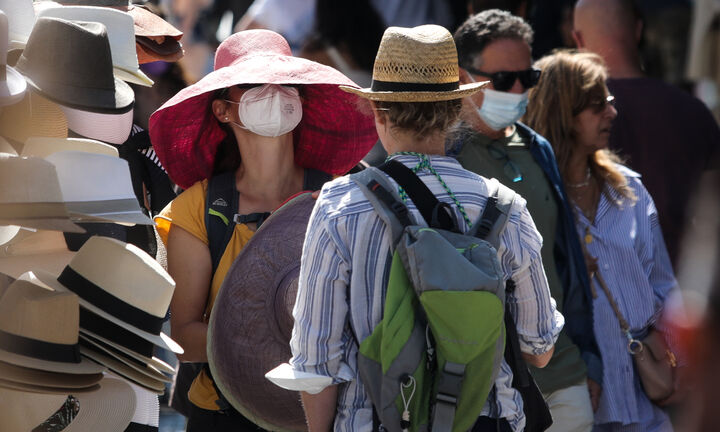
(592, 125)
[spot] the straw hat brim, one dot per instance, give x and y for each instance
(5, 384)
(120, 368)
(42, 378)
(49, 224)
(161, 340)
(109, 407)
(150, 371)
(52, 262)
(464, 90)
(150, 361)
(83, 367)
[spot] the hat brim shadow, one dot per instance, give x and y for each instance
(161, 340)
(464, 90)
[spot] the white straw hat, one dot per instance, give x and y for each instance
(44, 250)
(416, 64)
(45, 146)
(39, 329)
(87, 342)
(121, 35)
(34, 200)
(12, 84)
(97, 188)
(111, 128)
(109, 408)
(126, 290)
(120, 368)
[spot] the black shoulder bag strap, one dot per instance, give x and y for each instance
(436, 214)
(221, 204)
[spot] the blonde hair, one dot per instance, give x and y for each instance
(570, 82)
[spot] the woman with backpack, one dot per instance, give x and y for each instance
(618, 226)
(261, 127)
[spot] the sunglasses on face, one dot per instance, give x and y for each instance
(601, 105)
(504, 80)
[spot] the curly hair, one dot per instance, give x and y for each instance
(422, 118)
(551, 113)
(481, 29)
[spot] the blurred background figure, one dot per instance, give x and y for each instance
(668, 136)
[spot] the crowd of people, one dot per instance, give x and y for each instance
(363, 217)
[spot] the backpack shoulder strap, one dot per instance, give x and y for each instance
(315, 179)
(378, 190)
(495, 216)
(221, 204)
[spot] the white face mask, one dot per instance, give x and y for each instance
(501, 109)
(270, 110)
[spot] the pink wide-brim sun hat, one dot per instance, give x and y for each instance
(336, 131)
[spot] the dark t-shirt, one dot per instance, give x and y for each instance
(669, 137)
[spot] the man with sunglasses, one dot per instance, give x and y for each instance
(495, 45)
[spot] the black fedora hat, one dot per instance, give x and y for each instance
(70, 62)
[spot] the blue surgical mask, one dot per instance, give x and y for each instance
(501, 109)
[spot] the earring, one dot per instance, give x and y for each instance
(226, 118)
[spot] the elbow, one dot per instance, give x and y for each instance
(539, 360)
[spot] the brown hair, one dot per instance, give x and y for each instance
(570, 82)
(421, 118)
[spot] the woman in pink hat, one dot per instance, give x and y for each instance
(261, 127)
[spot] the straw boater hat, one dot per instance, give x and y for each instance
(416, 64)
(39, 330)
(35, 200)
(12, 84)
(124, 294)
(331, 137)
(110, 407)
(251, 322)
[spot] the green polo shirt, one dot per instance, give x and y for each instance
(495, 158)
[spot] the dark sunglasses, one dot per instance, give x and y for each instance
(504, 80)
(601, 105)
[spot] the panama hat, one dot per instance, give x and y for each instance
(12, 84)
(70, 62)
(45, 146)
(34, 115)
(332, 136)
(97, 188)
(251, 323)
(40, 378)
(45, 250)
(146, 417)
(110, 407)
(35, 200)
(21, 17)
(88, 342)
(111, 128)
(123, 287)
(39, 329)
(122, 369)
(418, 64)
(120, 33)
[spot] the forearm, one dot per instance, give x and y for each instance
(193, 338)
(320, 409)
(539, 360)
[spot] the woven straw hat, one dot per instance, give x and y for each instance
(45, 250)
(109, 407)
(127, 292)
(40, 330)
(416, 64)
(45, 146)
(32, 116)
(251, 323)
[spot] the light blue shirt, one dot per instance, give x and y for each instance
(344, 271)
(633, 260)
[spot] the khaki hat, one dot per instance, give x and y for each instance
(39, 329)
(122, 285)
(40, 378)
(120, 368)
(44, 250)
(34, 200)
(45, 146)
(32, 116)
(109, 408)
(97, 188)
(89, 343)
(416, 64)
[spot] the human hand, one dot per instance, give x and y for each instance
(595, 390)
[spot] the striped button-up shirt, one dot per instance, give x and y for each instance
(344, 272)
(633, 261)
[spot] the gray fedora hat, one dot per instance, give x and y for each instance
(70, 62)
(251, 322)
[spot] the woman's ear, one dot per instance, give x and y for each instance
(220, 110)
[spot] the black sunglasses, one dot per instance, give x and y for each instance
(504, 80)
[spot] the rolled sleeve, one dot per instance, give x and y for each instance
(536, 316)
(320, 339)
